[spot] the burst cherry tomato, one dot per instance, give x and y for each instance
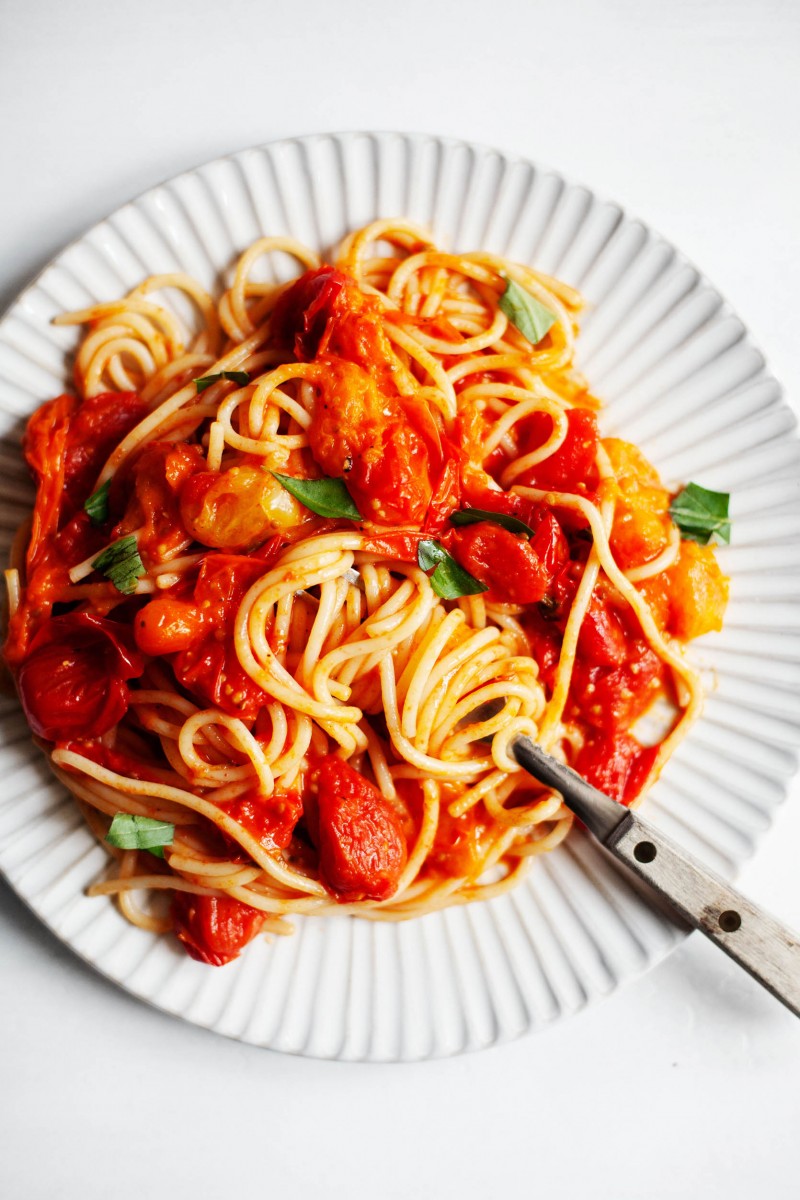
(303, 311)
(72, 681)
(270, 819)
(362, 848)
(618, 765)
(197, 628)
(96, 428)
(517, 571)
(214, 929)
(574, 461)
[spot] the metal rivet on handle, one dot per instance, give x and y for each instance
(729, 921)
(644, 852)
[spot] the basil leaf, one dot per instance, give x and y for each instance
(96, 507)
(129, 832)
(205, 381)
(701, 514)
(448, 580)
(531, 318)
(471, 516)
(121, 564)
(326, 497)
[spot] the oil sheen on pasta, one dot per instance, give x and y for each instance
(288, 689)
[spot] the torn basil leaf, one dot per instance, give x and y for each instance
(524, 311)
(205, 381)
(96, 507)
(701, 514)
(326, 497)
(471, 516)
(121, 564)
(131, 832)
(448, 580)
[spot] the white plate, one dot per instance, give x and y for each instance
(679, 376)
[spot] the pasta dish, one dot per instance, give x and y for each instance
(303, 562)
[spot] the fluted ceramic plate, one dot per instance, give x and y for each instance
(679, 376)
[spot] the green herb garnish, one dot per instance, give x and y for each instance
(448, 580)
(471, 516)
(326, 497)
(701, 514)
(130, 832)
(121, 564)
(531, 318)
(96, 507)
(205, 381)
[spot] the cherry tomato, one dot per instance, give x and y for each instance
(238, 508)
(45, 449)
(460, 844)
(95, 429)
(360, 433)
(168, 624)
(362, 847)
(603, 639)
(446, 498)
(270, 819)
(303, 311)
(153, 488)
(574, 461)
(72, 681)
(517, 571)
(617, 765)
(611, 698)
(209, 667)
(401, 544)
(214, 929)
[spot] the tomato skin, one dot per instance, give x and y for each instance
(271, 820)
(517, 571)
(402, 544)
(611, 698)
(617, 765)
(301, 316)
(362, 848)
(460, 844)
(157, 477)
(97, 426)
(603, 639)
(446, 498)
(574, 461)
(209, 667)
(214, 929)
(72, 681)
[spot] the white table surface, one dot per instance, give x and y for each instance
(687, 1082)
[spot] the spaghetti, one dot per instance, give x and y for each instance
(274, 569)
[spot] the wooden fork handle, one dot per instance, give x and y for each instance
(759, 943)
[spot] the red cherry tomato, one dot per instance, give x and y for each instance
(72, 681)
(153, 489)
(362, 848)
(517, 571)
(208, 665)
(445, 500)
(611, 698)
(302, 313)
(617, 765)
(401, 544)
(574, 461)
(603, 639)
(214, 929)
(96, 428)
(270, 819)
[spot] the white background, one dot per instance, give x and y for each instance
(687, 1083)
